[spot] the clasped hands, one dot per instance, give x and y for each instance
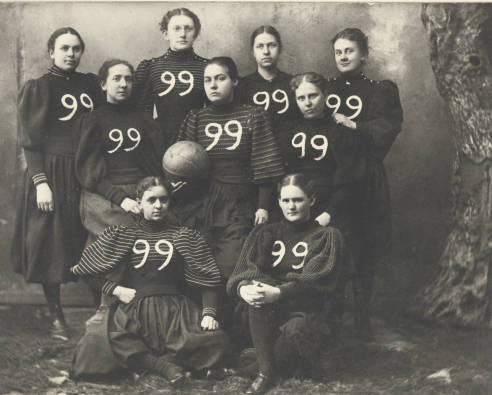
(257, 293)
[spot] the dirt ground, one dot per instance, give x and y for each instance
(406, 352)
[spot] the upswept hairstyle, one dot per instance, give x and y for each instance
(104, 69)
(312, 77)
(64, 30)
(227, 63)
(149, 182)
(266, 29)
(163, 24)
(299, 180)
(356, 35)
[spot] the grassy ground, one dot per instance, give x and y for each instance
(405, 353)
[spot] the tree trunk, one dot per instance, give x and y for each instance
(460, 37)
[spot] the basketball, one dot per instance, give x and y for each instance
(186, 160)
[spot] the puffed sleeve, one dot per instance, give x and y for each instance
(188, 128)
(110, 250)
(253, 260)
(144, 95)
(90, 164)
(200, 267)
(323, 265)
(385, 116)
(33, 108)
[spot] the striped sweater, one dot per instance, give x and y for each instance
(154, 258)
(173, 83)
(239, 142)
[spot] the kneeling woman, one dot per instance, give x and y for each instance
(156, 327)
(284, 273)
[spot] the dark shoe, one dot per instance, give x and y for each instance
(216, 373)
(59, 330)
(260, 385)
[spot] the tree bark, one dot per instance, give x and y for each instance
(460, 37)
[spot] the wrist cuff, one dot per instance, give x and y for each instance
(212, 312)
(39, 178)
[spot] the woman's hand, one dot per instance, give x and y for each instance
(270, 294)
(44, 197)
(341, 119)
(252, 294)
(323, 219)
(124, 294)
(130, 205)
(261, 216)
(209, 323)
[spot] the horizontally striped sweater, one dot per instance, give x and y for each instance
(174, 83)
(152, 257)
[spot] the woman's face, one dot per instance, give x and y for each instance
(219, 86)
(348, 56)
(119, 84)
(154, 203)
(310, 100)
(67, 52)
(180, 33)
(295, 204)
(266, 50)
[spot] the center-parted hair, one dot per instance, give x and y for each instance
(311, 77)
(149, 182)
(227, 63)
(164, 23)
(64, 30)
(266, 29)
(104, 69)
(299, 180)
(356, 35)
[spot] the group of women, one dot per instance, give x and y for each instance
(296, 201)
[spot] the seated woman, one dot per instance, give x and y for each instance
(156, 327)
(284, 273)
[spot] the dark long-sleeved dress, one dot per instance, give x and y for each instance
(274, 96)
(47, 244)
(115, 152)
(334, 157)
(245, 161)
(173, 83)
(307, 262)
(159, 261)
(375, 107)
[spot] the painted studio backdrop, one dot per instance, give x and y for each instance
(419, 164)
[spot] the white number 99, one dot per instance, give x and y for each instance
(300, 250)
(70, 103)
(282, 99)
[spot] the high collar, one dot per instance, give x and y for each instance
(222, 109)
(298, 227)
(258, 77)
(55, 70)
(153, 226)
(187, 54)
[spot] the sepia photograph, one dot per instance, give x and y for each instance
(255, 197)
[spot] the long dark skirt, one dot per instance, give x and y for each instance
(165, 325)
(46, 244)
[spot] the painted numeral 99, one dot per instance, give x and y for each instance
(300, 250)
(353, 102)
(70, 103)
(262, 98)
(319, 142)
(116, 135)
(142, 247)
(233, 128)
(169, 79)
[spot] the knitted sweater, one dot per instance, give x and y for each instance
(376, 109)
(174, 83)
(115, 148)
(154, 258)
(48, 109)
(301, 259)
(274, 96)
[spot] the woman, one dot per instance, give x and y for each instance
(156, 327)
(49, 237)
(373, 109)
(268, 87)
(286, 271)
(171, 85)
(115, 152)
(244, 159)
